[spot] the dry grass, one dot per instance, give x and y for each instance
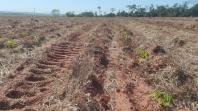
(174, 71)
(27, 39)
(168, 59)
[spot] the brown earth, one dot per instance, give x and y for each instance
(93, 64)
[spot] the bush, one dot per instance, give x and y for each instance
(127, 38)
(162, 97)
(143, 53)
(70, 14)
(126, 35)
(11, 43)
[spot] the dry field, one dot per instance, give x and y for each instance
(98, 64)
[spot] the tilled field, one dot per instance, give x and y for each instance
(100, 64)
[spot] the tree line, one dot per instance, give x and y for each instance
(177, 10)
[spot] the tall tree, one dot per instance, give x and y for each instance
(112, 10)
(55, 12)
(194, 10)
(132, 9)
(99, 10)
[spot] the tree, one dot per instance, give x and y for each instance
(141, 12)
(86, 14)
(111, 14)
(176, 10)
(132, 9)
(151, 12)
(162, 11)
(194, 10)
(122, 13)
(99, 10)
(70, 14)
(112, 10)
(55, 12)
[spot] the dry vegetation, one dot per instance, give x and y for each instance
(98, 64)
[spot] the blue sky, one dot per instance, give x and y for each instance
(45, 6)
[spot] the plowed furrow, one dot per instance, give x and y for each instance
(43, 66)
(55, 56)
(58, 49)
(41, 71)
(33, 87)
(50, 63)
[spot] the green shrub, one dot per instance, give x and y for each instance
(11, 43)
(162, 97)
(126, 35)
(143, 53)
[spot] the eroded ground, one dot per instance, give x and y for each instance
(98, 64)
